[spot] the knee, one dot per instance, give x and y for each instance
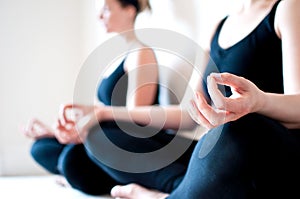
(39, 149)
(36, 150)
(75, 166)
(67, 160)
(45, 152)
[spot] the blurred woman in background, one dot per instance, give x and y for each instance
(132, 83)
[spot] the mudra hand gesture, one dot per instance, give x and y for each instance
(74, 122)
(246, 98)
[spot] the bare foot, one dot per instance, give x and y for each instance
(61, 181)
(36, 129)
(135, 191)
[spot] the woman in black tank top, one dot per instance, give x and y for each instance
(252, 147)
(63, 153)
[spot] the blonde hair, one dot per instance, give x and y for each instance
(144, 4)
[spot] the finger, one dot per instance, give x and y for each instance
(203, 107)
(63, 116)
(229, 79)
(214, 116)
(41, 128)
(197, 116)
(192, 112)
(64, 126)
(42, 125)
(60, 133)
(68, 135)
(37, 122)
(31, 124)
(26, 132)
(59, 127)
(30, 129)
(215, 94)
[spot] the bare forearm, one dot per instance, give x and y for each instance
(284, 108)
(169, 117)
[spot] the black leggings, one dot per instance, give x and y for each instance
(72, 162)
(254, 157)
(86, 173)
(162, 170)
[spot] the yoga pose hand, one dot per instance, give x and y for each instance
(36, 129)
(246, 98)
(74, 122)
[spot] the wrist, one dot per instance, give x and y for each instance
(102, 113)
(262, 101)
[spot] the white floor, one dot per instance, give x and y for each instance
(37, 187)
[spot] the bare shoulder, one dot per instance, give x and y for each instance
(287, 16)
(146, 52)
(289, 4)
(288, 8)
(145, 55)
(141, 56)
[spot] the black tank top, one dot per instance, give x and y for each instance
(257, 57)
(112, 90)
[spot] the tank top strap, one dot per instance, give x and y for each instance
(273, 12)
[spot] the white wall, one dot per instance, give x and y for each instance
(41, 52)
(43, 44)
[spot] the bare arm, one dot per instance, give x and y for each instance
(247, 98)
(174, 117)
(168, 117)
(142, 70)
(285, 108)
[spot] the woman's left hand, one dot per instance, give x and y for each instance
(245, 98)
(74, 127)
(67, 135)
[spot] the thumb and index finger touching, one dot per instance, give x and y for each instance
(226, 79)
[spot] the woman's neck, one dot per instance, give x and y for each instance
(250, 3)
(129, 36)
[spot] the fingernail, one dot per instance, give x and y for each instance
(217, 76)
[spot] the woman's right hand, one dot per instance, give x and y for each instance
(246, 98)
(36, 129)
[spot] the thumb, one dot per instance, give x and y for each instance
(228, 79)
